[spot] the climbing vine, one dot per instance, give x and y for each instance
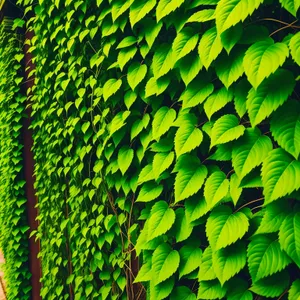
(167, 139)
(13, 216)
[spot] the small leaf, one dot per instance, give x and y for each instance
(149, 192)
(295, 46)
(211, 290)
(190, 259)
(294, 291)
(291, 6)
(206, 271)
(235, 190)
(136, 73)
(111, 87)
(195, 208)
(161, 162)
(202, 16)
(183, 293)
(163, 120)
(139, 9)
(125, 156)
(182, 227)
(163, 60)
(165, 7)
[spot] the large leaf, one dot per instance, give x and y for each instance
(271, 94)
(187, 138)
(291, 5)
(206, 271)
(189, 180)
(125, 156)
(295, 46)
(231, 12)
(163, 60)
(223, 228)
(161, 219)
(190, 259)
(165, 263)
(217, 101)
(226, 129)
(161, 162)
(230, 68)
(139, 9)
(165, 7)
(294, 291)
(215, 189)
(210, 47)
(149, 191)
(274, 215)
(265, 257)
(272, 286)
(289, 237)
(280, 175)
(183, 293)
(189, 67)
(163, 120)
(211, 290)
(229, 261)
(195, 93)
(136, 73)
(285, 127)
(250, 151)
(185, 42)
(264, 58)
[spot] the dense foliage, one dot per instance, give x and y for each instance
(168, 130)
(13, 217)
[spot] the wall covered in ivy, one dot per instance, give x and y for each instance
(166, 142)
(13, 215)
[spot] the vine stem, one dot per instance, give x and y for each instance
(282, 28)
(253, 201)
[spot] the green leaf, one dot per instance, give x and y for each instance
(211, 290)
(262, 59)
(136, 73)
(187, 138)
(217, 101)
(156, 87)
(163, 120)
(239, 290)
(231, 12)
(291, 6)
(111, 87)
(190, 259)
(229, 261)
(195, 208)
(274, 215)
(250, 151)
(235, 189)
(125, 157)
(184, 43)
(144, 273)
(294, 291)
(271, 94)
(224, 228)
(125, 55)
(165, 7)
(127, 42)
(210, 47)
(231, 36)
(289, 237)
(226, 129)
(146, 174)
(162, 290)
(202, 16)
(161, 162)
(195, 93)
(265, 257)
(152, 30)
(149, 192)
(285, 127)
(139, 9)
(215, 189)
(165, 263)
(189, 180)
(163, 60)
(129, 98)
(161, 219)
(206, 271)
(272, 286)
(118, 8)
(295, 46)
(189, 67)
(182, 293)
(280, 175)
(230, 68)
(240, 97)
(182, 227)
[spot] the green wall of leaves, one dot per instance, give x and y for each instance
(169, 130)
(13, 216)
